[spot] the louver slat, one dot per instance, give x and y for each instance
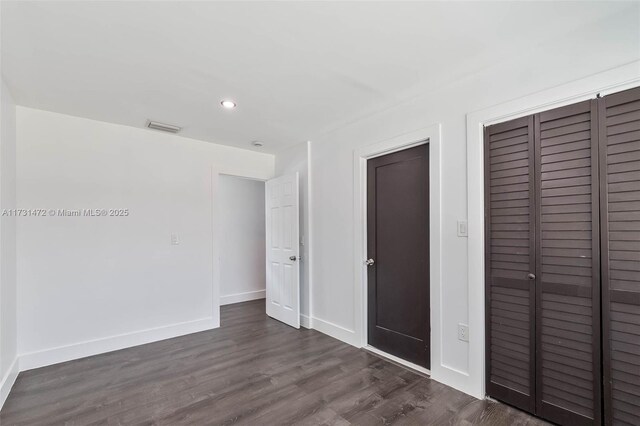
(568, 286)
(510, 256)
(620, 203)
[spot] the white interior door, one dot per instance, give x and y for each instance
(283, 247)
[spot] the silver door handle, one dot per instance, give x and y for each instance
(531, 276)
(369, 262)
(293, 258)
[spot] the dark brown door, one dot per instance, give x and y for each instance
(568, 374)
(398, 242)
(510, 262)
(620, 205)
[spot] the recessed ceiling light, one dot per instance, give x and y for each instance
(257, 144)
(228, 104)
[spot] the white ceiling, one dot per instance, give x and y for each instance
(295, 69)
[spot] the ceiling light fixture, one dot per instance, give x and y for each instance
(228, 104)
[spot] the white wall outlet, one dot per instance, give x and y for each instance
(175, 240)
(463, 230)
(463, 332)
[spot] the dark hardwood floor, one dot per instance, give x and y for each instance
(253, 370)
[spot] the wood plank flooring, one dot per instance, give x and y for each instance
(253, 370)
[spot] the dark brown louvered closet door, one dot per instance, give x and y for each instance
(568, 275)
(510, 258)
(620, 204)
(562, 256)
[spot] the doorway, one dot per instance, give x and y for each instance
(241, 221)
(398, 293)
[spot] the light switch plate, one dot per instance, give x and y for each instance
(463, 332)
(463, 230)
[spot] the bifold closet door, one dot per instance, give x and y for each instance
(568, 275)
(510, 260)
(620, 203)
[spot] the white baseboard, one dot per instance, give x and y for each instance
(242, 297)
(336, 331)
(8, 380)
(454, 378)
(59, 354)
(305, 321)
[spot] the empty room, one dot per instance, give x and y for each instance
(319, 213)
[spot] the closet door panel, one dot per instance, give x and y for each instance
(568, 275)
(620, 203)
(510, 257)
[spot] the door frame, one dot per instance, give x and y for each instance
(611, 81)
(431, 136)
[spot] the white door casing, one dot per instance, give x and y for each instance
(283, 249)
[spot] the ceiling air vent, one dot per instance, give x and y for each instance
(163, 127)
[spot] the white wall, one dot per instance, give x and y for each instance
(8, 290)
(292, 160)
(91, 284)
(597, 47)
(242, 239)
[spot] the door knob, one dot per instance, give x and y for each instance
(293, 258)
(369, 262)
(531, 276)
